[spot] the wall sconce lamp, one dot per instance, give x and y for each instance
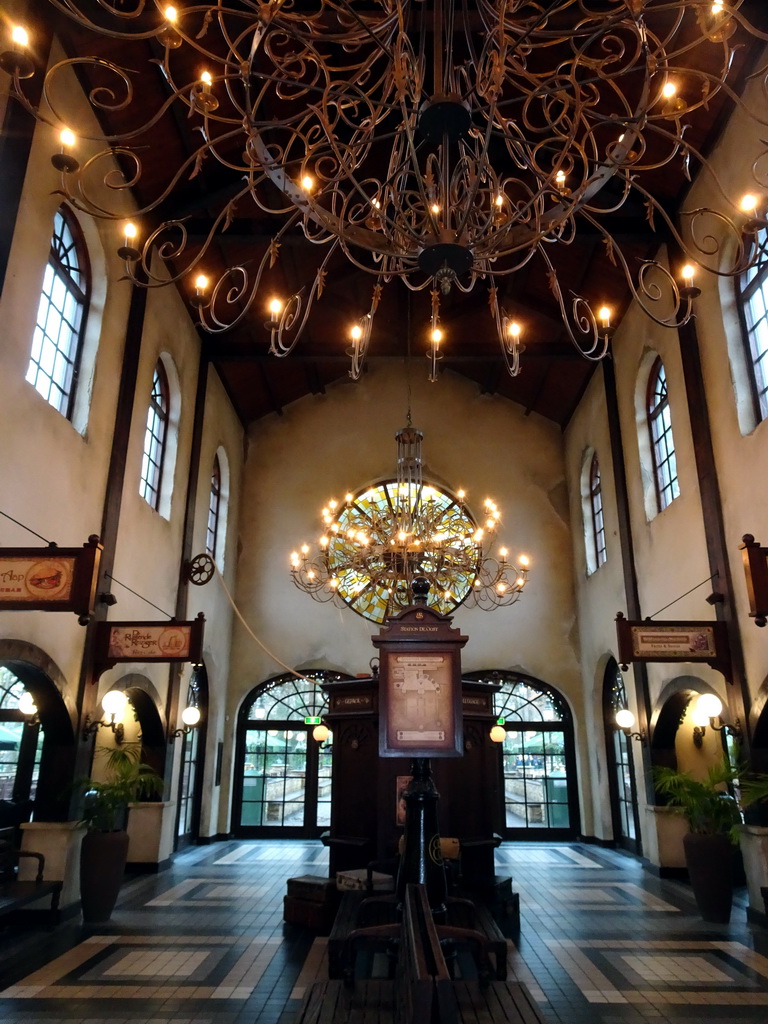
(190, 716)
(498, 733)
(321, 733)
(28, 708)
(625, 721)
(706, 712)
(114, 704)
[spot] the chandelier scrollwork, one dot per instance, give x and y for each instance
(377, 542)
(439, 143)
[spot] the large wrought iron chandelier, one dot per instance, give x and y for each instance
(377, 542)
(441, 142)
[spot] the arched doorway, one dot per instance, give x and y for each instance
(193, 742)
(621, 778)
(537, 758)
(283, 776)
(37, 757)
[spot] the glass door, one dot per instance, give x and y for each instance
(535, 779)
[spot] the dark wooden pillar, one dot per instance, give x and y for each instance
(712, 514)
(629, 569)
(110, 520)
(193, 478)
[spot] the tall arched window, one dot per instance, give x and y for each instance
(662, 443)
(597, 526)
(754, 303)
(155, 438)
(621, 784)
(283, 775)
(57, 341)
(214, 509)
(20, 744)
(537, 755)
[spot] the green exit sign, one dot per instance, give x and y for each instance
(500, 721)
(313, 721)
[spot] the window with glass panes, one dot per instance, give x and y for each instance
(155, 438)
(662, 442)
(214, 508)
(21, 744)
(57, 340)
(621, 755)
(596, 510)
(285, 774)
(754, 300)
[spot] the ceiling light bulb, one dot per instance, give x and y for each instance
(275, 307)
(513, 328)
(503, 552)
(461, 495)
(499, 200)
(688, 271)
(669, 90)
(604, 313)
(560, 177)
(67, 138)
(717, 7)
(170, 14)
(206, 79)
(524, 560)
(307, 183)
(356, 332)
(749, 203)
(201, 282)
(130, 230)
(437, 336)
(20, 36)
(305, 549)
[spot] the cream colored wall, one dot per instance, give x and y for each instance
(55, 471)
(326, 445)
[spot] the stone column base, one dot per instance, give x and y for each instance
(151, 830)
(59, 843)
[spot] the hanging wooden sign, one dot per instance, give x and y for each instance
(674, 641)
(755, 559)
(420, 685)
(50, 579)
(149, 642)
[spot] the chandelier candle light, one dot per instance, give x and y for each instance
(376, 543)
(435, 142)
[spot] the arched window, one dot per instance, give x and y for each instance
(753, 292)
(537, 755)
(57, 341)
(621, 785)
(662, 443)
(214, 509)
(20, 744)
(283, 775)
(597, 526)
(155, 438)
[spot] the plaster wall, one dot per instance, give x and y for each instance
(326, 445)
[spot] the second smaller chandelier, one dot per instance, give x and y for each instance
(375, 543)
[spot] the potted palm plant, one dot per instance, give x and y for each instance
(714, 819)
(104, 849)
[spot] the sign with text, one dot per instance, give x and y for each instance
(420, 712)
(50, 578)
(149, 641)
(674, 641)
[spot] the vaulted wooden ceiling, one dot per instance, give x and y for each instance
(553, 376)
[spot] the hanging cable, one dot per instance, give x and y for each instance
(707, 580)
(50, 543)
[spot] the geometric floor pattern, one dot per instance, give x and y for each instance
(602, 941)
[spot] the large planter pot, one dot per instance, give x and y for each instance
(102, 864)
(709, 868)
(754, 847)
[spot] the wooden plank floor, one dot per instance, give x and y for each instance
(602, 942)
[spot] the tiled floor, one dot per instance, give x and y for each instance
(602, 942)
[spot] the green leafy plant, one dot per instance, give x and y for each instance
(708, 806)
(129, 779)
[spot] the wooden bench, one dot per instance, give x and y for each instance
(422, 991)
(14, 895)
